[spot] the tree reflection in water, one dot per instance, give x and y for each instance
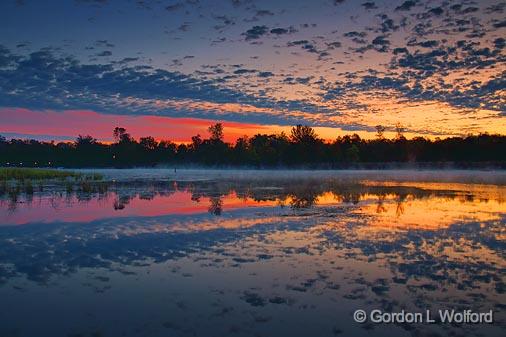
(386, 245)
(216, 205)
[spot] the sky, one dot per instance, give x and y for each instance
(169, 69)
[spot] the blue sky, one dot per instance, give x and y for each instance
(436, 67)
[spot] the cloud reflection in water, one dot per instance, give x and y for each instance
(250, 248)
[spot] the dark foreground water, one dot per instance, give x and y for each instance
(197, 253)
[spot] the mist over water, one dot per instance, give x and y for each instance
(254, 253)
(497, 177)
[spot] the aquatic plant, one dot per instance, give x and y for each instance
(18, 173)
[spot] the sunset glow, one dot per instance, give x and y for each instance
(436, 68)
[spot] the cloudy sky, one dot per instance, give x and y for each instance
(170, 68)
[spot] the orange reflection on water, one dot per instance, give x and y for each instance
(48, 209)
(497, 192)
(384, 206)
(390, 212)
(447, 204)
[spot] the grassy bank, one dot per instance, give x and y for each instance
(21, 174)
(16, 181)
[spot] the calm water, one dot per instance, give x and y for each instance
(237, 253)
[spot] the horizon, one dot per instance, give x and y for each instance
(232, 139)
(436, 68)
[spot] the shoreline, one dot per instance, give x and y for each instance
(318, 167)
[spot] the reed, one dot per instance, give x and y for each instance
(21, 174)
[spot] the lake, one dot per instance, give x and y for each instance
(156, 252)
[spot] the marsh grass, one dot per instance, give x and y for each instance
(17, 173)
(69, 187)
(3, 187)
(15, 181)
(28, 187)
(21, 174)
(93, 176)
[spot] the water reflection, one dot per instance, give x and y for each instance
(246, 257)
(187, 198)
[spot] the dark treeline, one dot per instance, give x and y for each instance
(302, 147)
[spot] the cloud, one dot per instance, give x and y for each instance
(265, 74)
(499, 24)
(440, 50)
(464, 55)
(357, 37)
(400, 50)
(43, 80)
(184, 27)
(263, 12)
(381, 44)
(224, 20)
(297, 43)
(244, 71)
(436, 11)
(499, 43)
(406, 6)
(105, 53)
(279, 31)
(282, 31)
(310, 47)
(497, 8)
(334, 45)
(355, 34)
(369, 5)
(255, 32)
(422, 75)
(468, 10)
(104, 43)
(387, 24)
(429, 44)
(174, 7)
(381, 41)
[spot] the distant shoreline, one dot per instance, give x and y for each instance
(302, 149)
(323, 167)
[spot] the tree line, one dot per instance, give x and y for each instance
(301, 148)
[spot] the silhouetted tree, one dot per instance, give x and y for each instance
(241, 151)
(148, 143)
(306, 145)
(216, 132)
(302, 147)
(83, 141)
(380, 130)
(399, 129)
(353, 153)
(303, 134)
(121, 136)
(196, 142)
